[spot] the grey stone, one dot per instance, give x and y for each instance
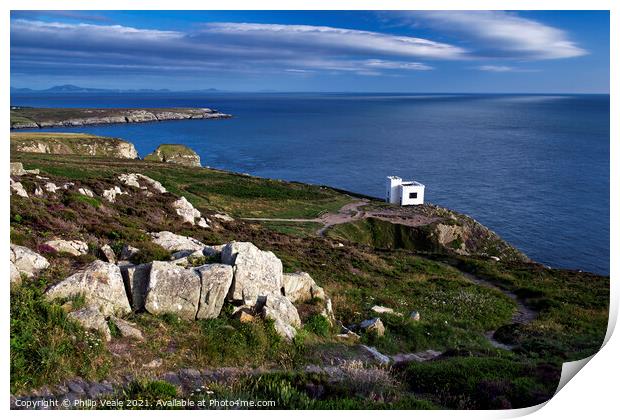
(373, 326)
(216, 280)
(173, 242)
(108, 253)
(101, 284)
(91, 319)
(300, 287)
(284, 314)
(127, 329)
(173, 289)
(26, 261)
(136, 279)
(74, 247)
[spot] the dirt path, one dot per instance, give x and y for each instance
(350, 213)
(522, 315)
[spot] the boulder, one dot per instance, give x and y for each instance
(17, 169)
(26, 262)
(136, 278)
(373, 326)
(379, 357)
(414, 315)
(284, 314)
(257, 273)
(223, 217)
(300, 287)
(16, 277)
(141, 181)
(108, 253)
(173, 289)
(18, 188)
(127, 329)
(172, 242)
(216, 280)
(186, 211)
(383, 310)
(51, 187)
(74, 248)
(86, 191)
(101, 284)
(128, 251)
(91, 319)
(110, 194)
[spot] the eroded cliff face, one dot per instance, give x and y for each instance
(72, 144)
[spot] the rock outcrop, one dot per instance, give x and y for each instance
(91, 319)
(25, 262)
(111, 193)
(173, 242)
(188, 213)
(173, 289)
(18, 188)
(283, 313)
(136, 278)
(257, 273)
(72, 144)
(300, 287)
(74, 248)
(373, 326)
(216, 280)
(174, 153)
(100, 283)
(142, 181)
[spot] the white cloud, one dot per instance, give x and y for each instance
(397, 65)
(503, 33)
(497, 69)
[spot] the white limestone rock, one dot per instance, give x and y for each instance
(26, 262)
(18, 188)
(300, 287)
(91, 319)
(74, 248)
(173, 242)
(257, 273)
(101, 284)
(173, 289)
(216, 280)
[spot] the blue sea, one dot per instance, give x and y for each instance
(534, 168)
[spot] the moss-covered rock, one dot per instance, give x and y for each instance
(174, 153)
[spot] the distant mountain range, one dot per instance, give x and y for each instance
(79, 89)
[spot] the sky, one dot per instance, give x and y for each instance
(314, 51)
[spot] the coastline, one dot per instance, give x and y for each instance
(28, 118)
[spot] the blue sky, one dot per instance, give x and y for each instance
(364, 51)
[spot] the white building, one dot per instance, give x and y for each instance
(404, 193)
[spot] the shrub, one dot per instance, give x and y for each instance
(318, 325)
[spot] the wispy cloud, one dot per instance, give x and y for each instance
(499, 34)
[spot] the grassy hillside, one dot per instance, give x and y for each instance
(357, 273)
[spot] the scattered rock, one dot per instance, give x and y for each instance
(373, 326)
(86, 191)
(172, 242)
(414, 315)
(136, 278)
(300, 287)
(128, 251)
(51, 187)
(216, 280)
(101, 284)
(186, 211)
(127, 329)
(153, 364)
(111, 194)
(17, 169)
(91, 319)
(18, 188)
(283, 313)
(378, 356)
(383, 310)
(134, 180)
(421, 356)
(257, 273)
(173, 289)
(108, 253)
(202, 222)
(26, 262)
(223, 217)
(74, 247)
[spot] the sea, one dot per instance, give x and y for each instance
(533, 168)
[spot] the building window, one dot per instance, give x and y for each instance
(413, 195)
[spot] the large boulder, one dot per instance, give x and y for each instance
(91, 319)
(300, 287)
(101, 284)
(216, 280)
(173, 242)
(25, 262)
(173, 289)
(18, 188)
(257, 273)
(74, 248)
(136, 278)
(186, 211)
(284, 314)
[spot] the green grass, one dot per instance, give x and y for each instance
(46, 346)
(293, 229)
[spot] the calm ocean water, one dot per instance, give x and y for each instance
(534, 168)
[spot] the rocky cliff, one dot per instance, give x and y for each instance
(174, 153)
(70, 117)
(72, 144)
